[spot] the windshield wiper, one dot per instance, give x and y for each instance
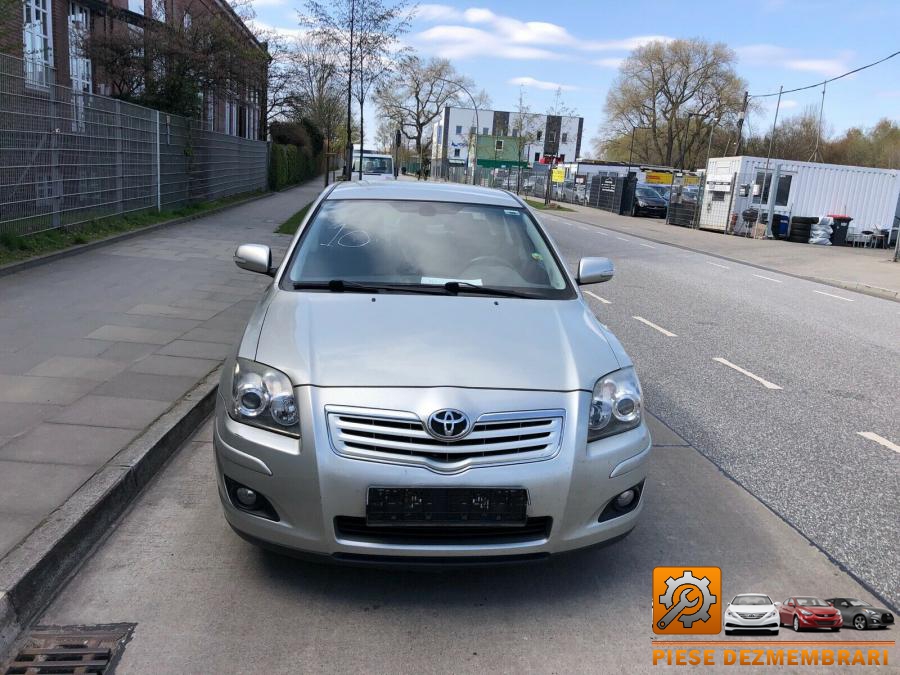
(467, 286)
(341, 286)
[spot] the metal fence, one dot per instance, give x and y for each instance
(69, 157)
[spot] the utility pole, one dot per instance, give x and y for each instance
(349, 168)
(740, 124)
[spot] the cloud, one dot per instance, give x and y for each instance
(267, 3)
(762, 54)
(611, 62)
(826, 67)
(258, 25)
(478, 31)
(775, 55)
(888, 93)
(540, 84)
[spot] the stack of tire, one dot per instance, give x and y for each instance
(800, 228)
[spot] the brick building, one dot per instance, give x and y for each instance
(46, 35)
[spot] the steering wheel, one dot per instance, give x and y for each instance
(485, 260)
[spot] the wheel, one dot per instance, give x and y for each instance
(796, 624)
(859, 622)
(799, 240)
(635, 211)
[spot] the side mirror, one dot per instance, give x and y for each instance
(254, 258)
(595, 270)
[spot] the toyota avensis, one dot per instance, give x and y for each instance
(422, 382)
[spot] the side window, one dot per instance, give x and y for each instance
(456, 152)
(540, 135)
(459, 128)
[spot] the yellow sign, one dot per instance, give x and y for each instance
(558, 175)
(687, 604)
(692, 180)
(658, 177)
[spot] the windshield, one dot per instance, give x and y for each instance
(811, 602)
(374, 164)
(647, 192)
(751, 600)
(427, 244)
(859, 603)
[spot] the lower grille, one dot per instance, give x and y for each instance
(401, 438)
(534, 530)
(825, 622)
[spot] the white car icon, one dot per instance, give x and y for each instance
(751, 611)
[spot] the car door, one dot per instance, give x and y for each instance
(843, 606)
(786, 611)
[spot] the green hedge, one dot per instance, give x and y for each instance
(289, 165)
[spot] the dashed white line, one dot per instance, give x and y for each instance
(881, 440)
(597, 297)
(647, 245)
(777, 281)
(654, 326)
(602, 234)
(724, 267)
(831, 295)
(765, 383)
(621, 238)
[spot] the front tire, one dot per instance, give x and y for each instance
(859, 622)
(796, 624)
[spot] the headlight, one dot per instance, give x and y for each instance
(871, 611)
(641, 202)
(806, 612)
(770, 614)
(263, 397)
(616, 404)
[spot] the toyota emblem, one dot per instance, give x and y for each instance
(448, 424)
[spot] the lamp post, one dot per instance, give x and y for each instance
(631, 152)
(475, 106)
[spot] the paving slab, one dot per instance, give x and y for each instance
(111, 411)
(129, 334)
(66, 444)
(79, 367)
(130, 384)
(160, 364)
(54, 390)
(212, 350)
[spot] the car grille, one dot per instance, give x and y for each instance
(749, 616)
(822, 621)
(534, 530)
(401, 438)
(887, 617)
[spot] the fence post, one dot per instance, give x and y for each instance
(158, 184)
(55, 181)
(120, 170)
(730, 202)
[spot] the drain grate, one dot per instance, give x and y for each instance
(71, 650)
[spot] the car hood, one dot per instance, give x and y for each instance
(652, 201)
(752, 609)
(401, 340)
(820, 611)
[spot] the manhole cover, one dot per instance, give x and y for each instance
(71, 650)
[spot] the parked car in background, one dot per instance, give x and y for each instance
(861, 614)
(422, 381)
(374, 167)
(572, 192)
(804, 612)
(647, 202)
(751, 611)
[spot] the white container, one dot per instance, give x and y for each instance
(870, 196)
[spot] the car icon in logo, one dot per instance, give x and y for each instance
(448, 424)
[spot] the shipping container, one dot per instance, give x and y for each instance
(735, 185)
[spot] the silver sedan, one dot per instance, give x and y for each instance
(423, 383)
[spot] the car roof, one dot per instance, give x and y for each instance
(422, 191)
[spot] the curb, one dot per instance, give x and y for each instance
(34, 571)
(21, 266)
(856, 286)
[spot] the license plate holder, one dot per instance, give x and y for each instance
(451, 506)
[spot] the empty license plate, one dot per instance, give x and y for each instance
(446, 506)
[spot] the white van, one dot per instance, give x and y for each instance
(375, 166)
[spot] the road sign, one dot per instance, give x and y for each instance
(558, 175)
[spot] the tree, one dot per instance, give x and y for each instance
(365, 34)
(658, 85)
(415, 93)
(524, 127)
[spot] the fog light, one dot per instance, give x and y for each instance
(623, 501)
(246, 497)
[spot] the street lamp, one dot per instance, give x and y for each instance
(631, 152)
(475, 106)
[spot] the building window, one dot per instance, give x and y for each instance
(187, 20)
(551, 136)
(781, 196)
(485, 131)
(515, 133)
(253, 115)
(37, 37)
(564, 138)
(498, 145)
(539, 136)
(231, 117)
(456, 152)
(537, 157)
(458, 129)
(79, 65)
(210, 112)
(561, 159)
(136, 6)
(472, 131)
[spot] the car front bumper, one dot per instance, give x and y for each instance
(736, 622)
(820, 622)
(313, 489)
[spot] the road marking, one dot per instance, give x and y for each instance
(881, 440)
(654, 326)
(602, 234)
(724, 267)
(767, 278)
(621, 238)
(647, 245)
(597, 297)
(765, 383)
(830, 295)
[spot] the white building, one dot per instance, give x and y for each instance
(548, 135)
(870, 196)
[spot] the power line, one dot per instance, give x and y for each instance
(824, 82)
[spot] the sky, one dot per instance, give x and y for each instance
(578, 45)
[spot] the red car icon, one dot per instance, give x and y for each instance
(805, 612)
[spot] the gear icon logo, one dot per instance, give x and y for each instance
(686, 600)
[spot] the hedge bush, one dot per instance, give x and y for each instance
(289, 165)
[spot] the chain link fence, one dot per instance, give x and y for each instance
(68, 157)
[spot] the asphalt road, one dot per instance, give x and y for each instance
(835, 355)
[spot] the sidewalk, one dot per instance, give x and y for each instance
(865, 270)
(98, 345)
